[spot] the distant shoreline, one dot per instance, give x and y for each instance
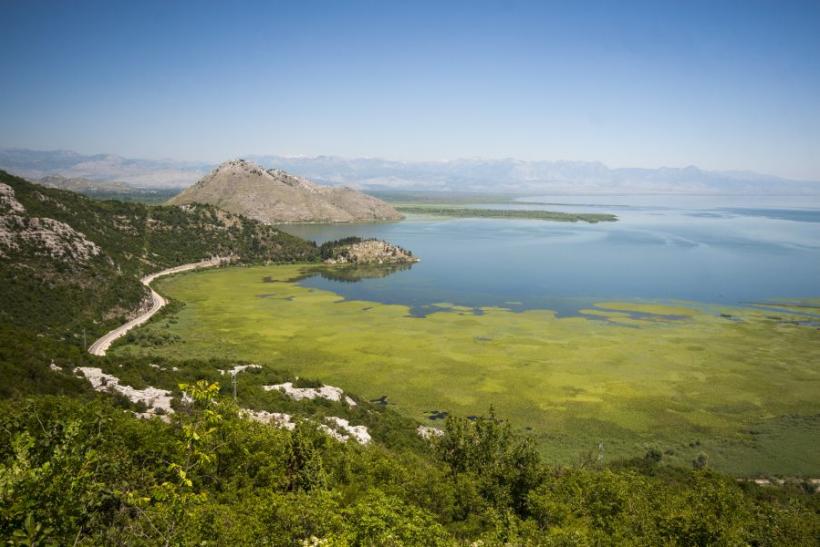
(534, 214)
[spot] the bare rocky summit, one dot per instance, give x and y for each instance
(274, 196)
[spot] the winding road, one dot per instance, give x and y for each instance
(157, 302)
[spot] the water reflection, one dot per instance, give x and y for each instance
(354, 274)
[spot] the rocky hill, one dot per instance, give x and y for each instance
(68, 262)
(274, 196)
(357, 251)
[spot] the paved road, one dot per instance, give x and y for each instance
(101, 346)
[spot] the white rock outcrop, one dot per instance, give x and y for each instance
(45, 236)
(358, 432)
(157, 400)
(277, 419)
(237, 369)
(331, 393)
(426, 432)
(8, 202)
(338, 428)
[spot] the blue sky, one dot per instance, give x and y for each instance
(719, 84)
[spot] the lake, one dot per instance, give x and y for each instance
(724, 250)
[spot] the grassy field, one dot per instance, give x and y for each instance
(740, 386)
(533, 214)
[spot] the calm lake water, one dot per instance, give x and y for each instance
(714, 250)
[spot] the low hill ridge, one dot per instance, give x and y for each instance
(275, 196)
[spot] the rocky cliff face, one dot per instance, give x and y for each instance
(20, 232)
(274, 196)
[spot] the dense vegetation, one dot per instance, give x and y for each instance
(532, 214)
(74, 472)
(329, 249)
(56, 290)
(77, 468)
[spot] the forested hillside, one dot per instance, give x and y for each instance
(74, 472)
(236, 459)
(70, 263)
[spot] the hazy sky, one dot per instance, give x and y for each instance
(723, 85)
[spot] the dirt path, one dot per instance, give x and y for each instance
(102, 344)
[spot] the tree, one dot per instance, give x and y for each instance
(505, 465)
(305, 470)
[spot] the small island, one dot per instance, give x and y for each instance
(354, 251)
(531, 214)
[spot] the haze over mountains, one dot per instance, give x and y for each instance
(463, 175)
(35, 164)
(82, 184)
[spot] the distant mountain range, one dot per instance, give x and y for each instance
(35, 164)
(464, 175)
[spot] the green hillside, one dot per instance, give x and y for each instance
(63, 292)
